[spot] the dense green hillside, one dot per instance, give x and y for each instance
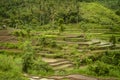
(95, 13)
(38, 12)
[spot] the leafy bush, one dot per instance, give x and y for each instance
(115, 71)
(77, 62)
(103, 69)
(28, 57)
(42, 41)
(83, 27)
(41, 68)
(6, 63)
(10, 69)
(118, 12)
(107, 64)
(113, 41)
(27, 62)
(9, 45)
(111, 57)
(53, 44)
(100, 69)
(33, 65)
(87, 60)
(61, 29)
(11, 75)
(22, 33)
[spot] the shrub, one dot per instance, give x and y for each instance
(42, 41)
(31, 64)
(11, 75)
(27, 62)
(100, 69)
(16, 33)
(6, 63)
(118, 12)
(53, 44)
(10, 69)
(62, 28)
(87, 60)
(84, 28)
(115, 71)
(21, 33)
(77, 62)
(41, 67)
(113, 40)
(118, 39)
(9, 45)
(28, 57)
(28, 32)
(111, 57)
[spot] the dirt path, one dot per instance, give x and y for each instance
(68, 77)
(5, 36)
(60, 64)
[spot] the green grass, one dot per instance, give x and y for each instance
(10, 68)
(10, 45)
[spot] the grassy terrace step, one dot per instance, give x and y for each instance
(43, 52)
(103, 43)
(66, 42)
(8, 39)
(46, 32)
(101, 51)
(113, 33)
(59, 63)
(51, 60)
(76, 39)
(117, 47)
(89, 30)
(99, 30)
(4, 47)
(105, 47)
(11, 51)
(46, 50)
(73, 30)
(40, 49)
(89, 43)
(76, 34)
(67, 35)
(104, 36)
(70, 38)
(96, 46)
(4, 33)
(9, 45)
(66, 66)
(51, 55)
(80, 77)
(50, 36)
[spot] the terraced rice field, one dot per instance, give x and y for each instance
(58, 58)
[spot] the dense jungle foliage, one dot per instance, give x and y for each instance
(39, 12)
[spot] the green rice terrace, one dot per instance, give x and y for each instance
(59, 40)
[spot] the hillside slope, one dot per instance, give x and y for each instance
(96, 13)
(22, 12)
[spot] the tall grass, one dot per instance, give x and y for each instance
(10, 68)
